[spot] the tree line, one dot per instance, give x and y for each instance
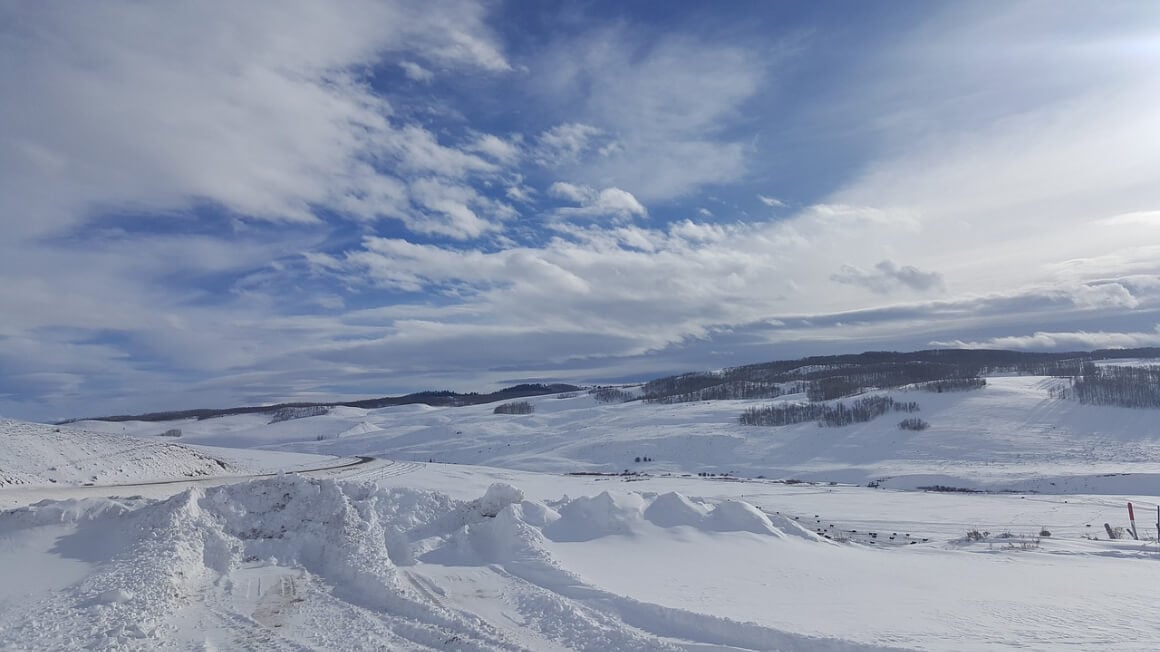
(832, 415)
(1132, 387)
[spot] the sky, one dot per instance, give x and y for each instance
(212, 203)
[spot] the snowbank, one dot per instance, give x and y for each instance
(170, 551)
(673, 509)
(740, 516)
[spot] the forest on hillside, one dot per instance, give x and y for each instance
(824, 378)
(1121, 386)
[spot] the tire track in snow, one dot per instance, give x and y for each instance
(386, 469)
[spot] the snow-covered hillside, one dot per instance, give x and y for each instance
(36, 454)
(1009, 435)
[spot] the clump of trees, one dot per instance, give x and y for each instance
(952, 385)
(610, 395)
(730, 391)
(298, 412)
(913, 423)
(708, 386)
(823, 378)
(515, 407)
(826, 378)
(1133, 387)
(828, 415)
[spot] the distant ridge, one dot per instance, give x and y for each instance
(831, 376)
(432, 398)
(836, 376)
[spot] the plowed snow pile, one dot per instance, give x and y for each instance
(296, 563)
(33, 454)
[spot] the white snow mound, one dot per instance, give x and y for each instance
(673, 509)
(740, 516)
(498, 496)
(587, 518)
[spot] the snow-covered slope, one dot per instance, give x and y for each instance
(1009, 435)
(37, 454)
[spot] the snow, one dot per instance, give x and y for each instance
(37, 455)
(1010, 435)
(671, 509)
(467, 533)
(739, 516)
(498, 496)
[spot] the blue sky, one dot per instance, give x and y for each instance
(216, 203)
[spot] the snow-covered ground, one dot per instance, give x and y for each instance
(36, 454)
(468, 533)
(1011, 435)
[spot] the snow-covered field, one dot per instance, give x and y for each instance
(1010, 435)
(467, 532)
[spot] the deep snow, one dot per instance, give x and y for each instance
(502, 551)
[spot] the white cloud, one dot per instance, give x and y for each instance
(1007, 171)
(887, 277)
(566, 143)
(1063, 341)
(518, 191)
(1022, 172)
(666, 99)
(1102, 296)
(415, 72)
(571, 192)
(609, 202)
(122, 108)
(155, 108)
(496, 148)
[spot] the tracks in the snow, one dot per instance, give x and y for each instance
(378, 469)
